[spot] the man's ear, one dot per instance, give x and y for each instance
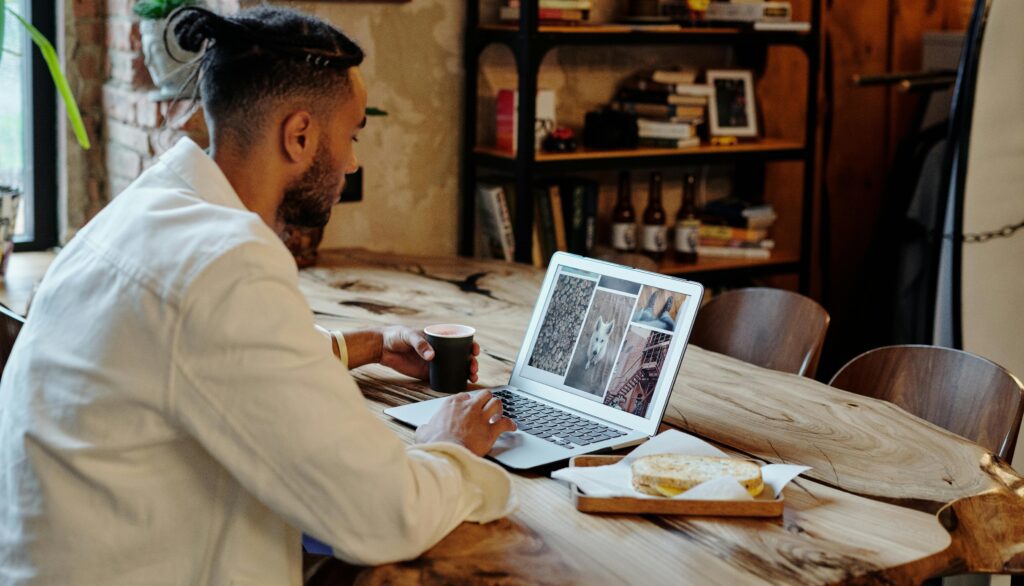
(297, 136)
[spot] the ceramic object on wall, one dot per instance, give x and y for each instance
(169, 65)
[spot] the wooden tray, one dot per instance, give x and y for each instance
(590, 504)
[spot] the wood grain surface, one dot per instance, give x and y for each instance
(938, 505)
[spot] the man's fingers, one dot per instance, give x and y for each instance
(461, 397)
(482, 398)
(502, 425)
(476, 349)
(418, 341)
(492, 408)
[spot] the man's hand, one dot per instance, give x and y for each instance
(407, 351)
(472, 422)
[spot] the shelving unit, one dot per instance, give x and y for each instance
(530, 43)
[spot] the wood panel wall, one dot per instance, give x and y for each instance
(861, 130)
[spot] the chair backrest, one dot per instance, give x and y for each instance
(969, 395)
(10, 326)
(772, 328)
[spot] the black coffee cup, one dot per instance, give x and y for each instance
(453, 351)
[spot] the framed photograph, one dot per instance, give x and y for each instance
(732, 110)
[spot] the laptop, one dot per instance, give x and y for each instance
(597, 365)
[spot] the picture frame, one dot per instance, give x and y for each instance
(732, 109)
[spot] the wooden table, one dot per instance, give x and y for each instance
(891, 497)
(24, 270)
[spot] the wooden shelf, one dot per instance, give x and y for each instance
(778, 263)
(583, 159)
(597, 34)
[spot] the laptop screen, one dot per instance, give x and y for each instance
(604, 339)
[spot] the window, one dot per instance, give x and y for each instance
(28, 135)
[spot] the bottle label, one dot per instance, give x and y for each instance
(686, 237)
(655, 238)
(624, 236)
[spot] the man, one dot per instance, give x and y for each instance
(169, 414)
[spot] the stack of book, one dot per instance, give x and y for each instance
(552, 12)
(733, 228)
(565, 219)
(669, 105)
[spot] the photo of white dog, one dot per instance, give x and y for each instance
(599, 341)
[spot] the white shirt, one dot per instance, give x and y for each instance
(170, 416)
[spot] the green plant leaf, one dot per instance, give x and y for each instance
(53, 64)
(159, 9)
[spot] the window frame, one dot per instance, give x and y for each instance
(41, 156)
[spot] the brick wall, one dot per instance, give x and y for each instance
(102, 51)
(83, 173)
(136, 128)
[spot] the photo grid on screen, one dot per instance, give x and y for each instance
(605, 339)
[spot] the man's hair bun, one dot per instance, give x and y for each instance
(193, 26)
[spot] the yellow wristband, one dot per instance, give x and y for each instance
(342, 346)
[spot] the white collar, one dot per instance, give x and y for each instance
(201, 173)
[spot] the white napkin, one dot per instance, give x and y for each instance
(616, 480)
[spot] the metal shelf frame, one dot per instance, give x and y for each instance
(530, 42)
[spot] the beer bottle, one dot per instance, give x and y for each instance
(655, 232)
(624, 218)
(687, 224)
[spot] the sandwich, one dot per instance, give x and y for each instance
(672, 474)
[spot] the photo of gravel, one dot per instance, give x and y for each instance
(561, 324)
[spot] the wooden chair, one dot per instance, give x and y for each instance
(10, 326)
(772, 328)
(956, 390)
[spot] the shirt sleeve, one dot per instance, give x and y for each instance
(255, 386)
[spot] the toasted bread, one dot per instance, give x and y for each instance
(671, 474)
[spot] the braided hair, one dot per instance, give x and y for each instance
(262, 57)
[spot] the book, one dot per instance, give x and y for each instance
(690, 90)
(508, 237)
(545, 221)
(562, 4)
(681, 75)
(590, 217)
(730, 233)
(666, 125)
(796, 27)
(558, 217)
(694, 90)
(767, 243)
(739, 213)
(575, 204)
(669, 143)
(492, 221)
(733, 252)
(683, 103)
(506, 109)
(677, 133)
(664, 111)
(547, 14)
(537, 255)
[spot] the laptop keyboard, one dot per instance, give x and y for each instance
(554, 425)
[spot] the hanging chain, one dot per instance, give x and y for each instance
(1004, 232)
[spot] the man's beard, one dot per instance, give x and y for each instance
(308, 200)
